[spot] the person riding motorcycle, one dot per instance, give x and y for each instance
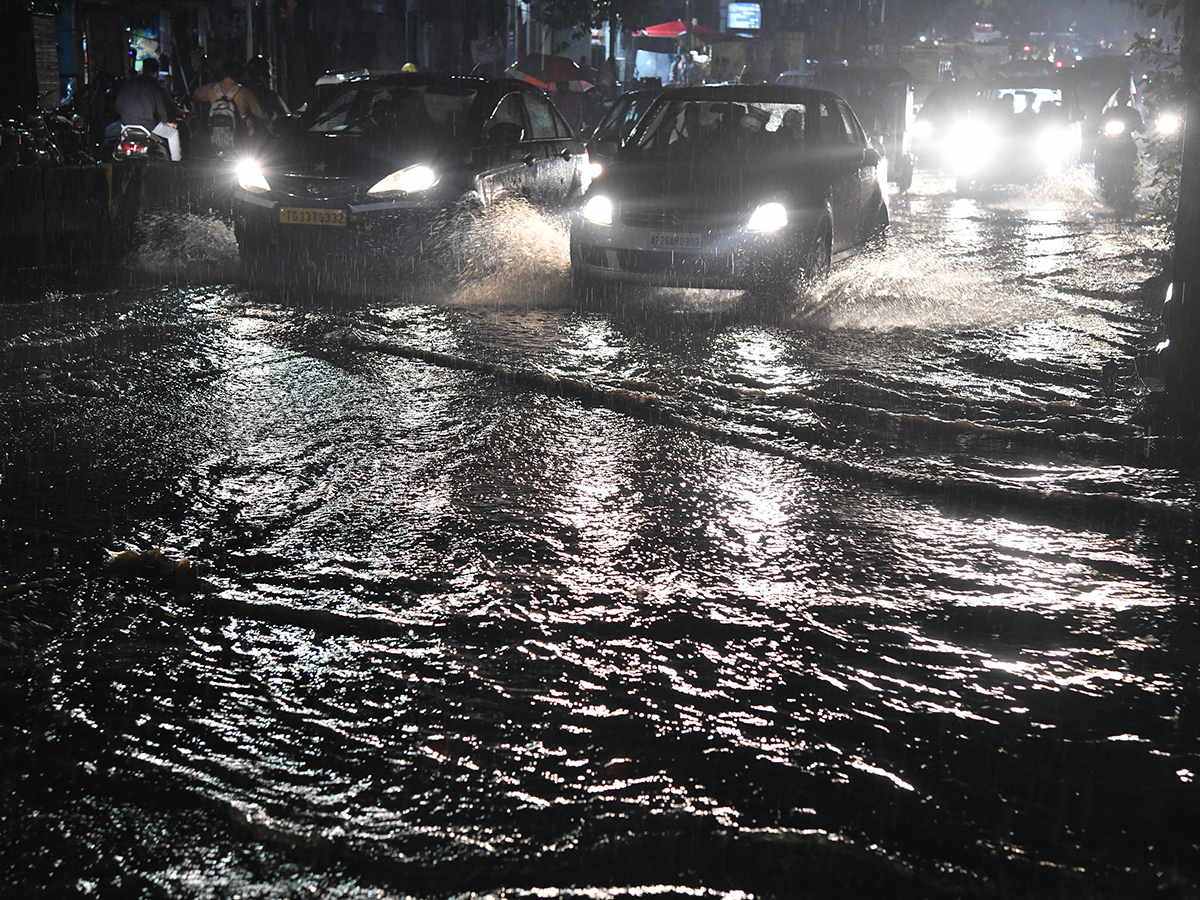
(143, 101)
(1116, 152)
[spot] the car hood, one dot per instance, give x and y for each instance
(713, 185)
(352, 156)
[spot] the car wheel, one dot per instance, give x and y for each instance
(876, 221)
(817, 259)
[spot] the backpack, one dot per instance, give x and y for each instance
(223, 119)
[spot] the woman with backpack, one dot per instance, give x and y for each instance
(235, 117)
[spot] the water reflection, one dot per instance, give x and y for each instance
(508, 598)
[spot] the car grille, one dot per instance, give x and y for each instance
(665, 219)
(659, 262)
(315, 188)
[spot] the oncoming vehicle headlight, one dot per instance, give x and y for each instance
(972, 145)
(768, 217)
(1114, 128)
(1169, 123)
(922, 130)
(250, 176)
(598, 210)
(1056, 146)
(411, 180)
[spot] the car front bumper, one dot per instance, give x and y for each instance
(732, 258)
(265, 220)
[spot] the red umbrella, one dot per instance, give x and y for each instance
(546, 71)
(677, 29)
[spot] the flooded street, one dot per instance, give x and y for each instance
(451, 588)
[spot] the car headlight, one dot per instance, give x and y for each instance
(922, 129)
(1056, 146)
(971, 145)
(250, 176)
(411, 180)
(768, 217)
(595, 169)
(598, 210)
(1114, 128)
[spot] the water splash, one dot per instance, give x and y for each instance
(186, 247)
(911, 288)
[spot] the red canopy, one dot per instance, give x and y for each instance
(678, 29)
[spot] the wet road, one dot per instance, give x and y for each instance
(454, 588)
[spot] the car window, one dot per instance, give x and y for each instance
(709, 128)
(560, 124)
(509, 111)
(854, 133)
(621, 119)
(833, 129)
(542, 126)
(409, 113)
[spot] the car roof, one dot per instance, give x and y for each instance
(442, 79)
(761, 93)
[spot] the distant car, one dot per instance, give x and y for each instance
(387, 153)
(749, 187)
(617, 125)
(1015, 132)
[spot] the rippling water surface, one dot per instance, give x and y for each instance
(451, 587)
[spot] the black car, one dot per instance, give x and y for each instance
(391, 153)
(731, 186)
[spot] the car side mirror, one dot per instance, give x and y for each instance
(504, 133)
(871, 156)
(606, 146)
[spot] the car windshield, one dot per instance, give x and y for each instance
(622, 118)
(1020, 100)
(720, 128)
(409, 112)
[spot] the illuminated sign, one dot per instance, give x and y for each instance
(744, 17)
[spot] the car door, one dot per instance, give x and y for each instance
(842, 159)
(868, 165)
(504, 165)
(559, 155)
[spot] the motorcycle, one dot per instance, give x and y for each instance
(1116, 160)
(137, 142)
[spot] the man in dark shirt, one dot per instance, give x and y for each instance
(143, 101)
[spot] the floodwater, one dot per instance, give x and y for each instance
(453, 587)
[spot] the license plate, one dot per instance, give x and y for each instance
(674, 240)
(298, 215)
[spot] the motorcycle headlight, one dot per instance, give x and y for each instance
(768, 217)
(411, 180)
(1169, 123)
(250, 177)
(1114, 128)
(598, 210)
